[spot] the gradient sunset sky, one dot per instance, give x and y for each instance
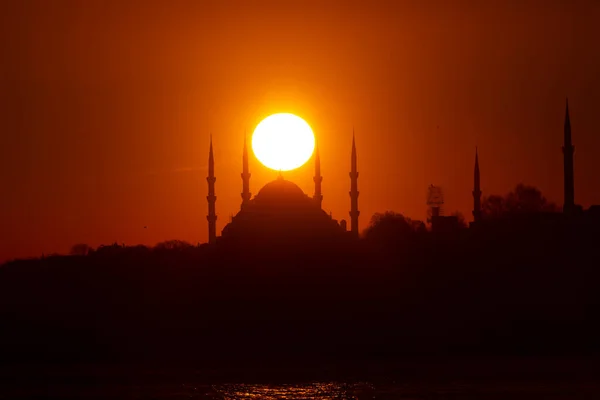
(107, 106)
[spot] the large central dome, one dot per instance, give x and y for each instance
(280, 211)
(280, 191)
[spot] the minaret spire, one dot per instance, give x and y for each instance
(476, 190)
(211, 198)
(245, 175)
(568, 150)
(354, 213)
(318, 197)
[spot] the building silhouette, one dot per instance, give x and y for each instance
(476, 190)
(354, 213)
(281, 211)
(568, 150)
(570, 208)
(211, 198)
(318, 179)
(246, 195)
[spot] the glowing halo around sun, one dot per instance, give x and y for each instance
(283, 142)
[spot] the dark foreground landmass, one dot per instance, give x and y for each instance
(527, 290)
(510, 312)
(512, 304)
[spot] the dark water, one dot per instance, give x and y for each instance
(474, 381)
(313, 390)
(364, 390)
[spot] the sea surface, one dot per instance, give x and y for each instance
(311, 390)
(476, 381)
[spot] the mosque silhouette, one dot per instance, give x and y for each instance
(281, 211)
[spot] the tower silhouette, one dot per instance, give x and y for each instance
(476, 190)
(318, 196)
(354, 213)
(212, 199)
(568, 150)
(245, 175)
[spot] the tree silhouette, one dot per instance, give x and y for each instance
(109, 250)
(460, 218)
(391, 226)
(524, 199)
(493, 206)
(80, 249)
(173, 245)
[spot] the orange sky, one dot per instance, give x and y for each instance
(106, 108)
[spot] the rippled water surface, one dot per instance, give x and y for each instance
(314, 390)
(317, 390)
(495, 379)
(360, 391)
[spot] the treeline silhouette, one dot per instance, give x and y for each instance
(523, 199)
(523, 282)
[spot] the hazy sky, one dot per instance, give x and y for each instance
(107, 106)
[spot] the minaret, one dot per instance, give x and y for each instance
(476, 191)
(318, 197)
(245, 176)
(212, 199)
(354, 213)
(568, 150)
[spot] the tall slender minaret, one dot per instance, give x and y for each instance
(568, 150)
(318, 197)
(476, 190)
(212, 199)
(354, 213)
(245, 176)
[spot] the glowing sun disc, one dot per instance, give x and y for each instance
(283, 142)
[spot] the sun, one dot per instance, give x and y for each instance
(283, 142)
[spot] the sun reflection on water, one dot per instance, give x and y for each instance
(320, 390)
